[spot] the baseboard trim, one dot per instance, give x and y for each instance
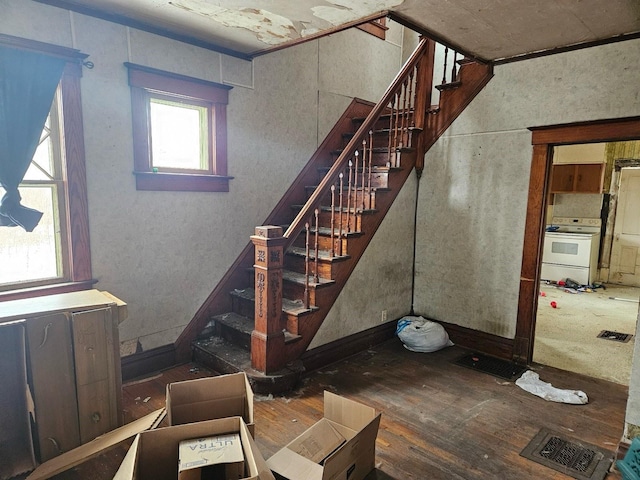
(344, 347)
(481, 342)
(147, 362)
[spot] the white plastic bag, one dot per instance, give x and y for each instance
(530, 382)
(421, 335)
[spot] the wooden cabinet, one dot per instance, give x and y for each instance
(73, 364)
(577, 178)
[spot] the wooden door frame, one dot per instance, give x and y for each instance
(543, 140)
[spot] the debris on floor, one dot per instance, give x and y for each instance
(530, 382)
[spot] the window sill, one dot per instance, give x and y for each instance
(181, 182)
(43, 290)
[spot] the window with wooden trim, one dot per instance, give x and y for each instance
(56, 256)
(377, 27)
(179, 131)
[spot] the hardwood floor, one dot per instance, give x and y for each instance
(439, 420)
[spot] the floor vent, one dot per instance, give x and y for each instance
(576, 459)
(615, 336)
(491, 365)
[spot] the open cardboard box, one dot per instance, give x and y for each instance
(340, 446)
(154, 453)
(210, 398)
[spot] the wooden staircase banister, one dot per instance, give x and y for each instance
(323, 188)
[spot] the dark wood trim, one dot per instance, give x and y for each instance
(219, 301)
(623, 448)
(140, 25)
(147, 362)
(406, 22)
(377, 28)
(163, 81)
(68, 54)
(181, 182)
(42, 290)
(75, 176)
(478, 341)
(568, 48)
(610, 130)
(532, 251)
(543, 139)
(323, 33)
(344, 347)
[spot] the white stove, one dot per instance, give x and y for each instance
(571, 247)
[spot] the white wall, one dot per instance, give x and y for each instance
(164, 252)
(474, 189)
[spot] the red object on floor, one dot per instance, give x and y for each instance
(553, 304)
(543, 294)
(561, 283)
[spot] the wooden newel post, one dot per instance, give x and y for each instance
(267, 338)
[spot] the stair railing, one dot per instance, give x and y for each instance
(405, 101)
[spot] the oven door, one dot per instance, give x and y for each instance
(563, 248)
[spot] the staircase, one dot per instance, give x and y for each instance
(299, 261)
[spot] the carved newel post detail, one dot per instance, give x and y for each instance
(267, 338)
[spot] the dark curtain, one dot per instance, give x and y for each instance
(28, 82)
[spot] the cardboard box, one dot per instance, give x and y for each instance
(340, 446)
(210, 398)
(218, 457)
(154, 453)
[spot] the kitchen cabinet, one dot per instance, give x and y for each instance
(72, 358)
(577, 178)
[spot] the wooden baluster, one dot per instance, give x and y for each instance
(364, 161)
(306, 267)
(405, 119)
(341, 176)
(410, 121)
(370, 160)
(454, 72)
(396, 123)
(317, 251)
(349, 196)
(390, 136)
(333, 219)
(444, 70)
(355, 183)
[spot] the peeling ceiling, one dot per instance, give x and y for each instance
(488, 29)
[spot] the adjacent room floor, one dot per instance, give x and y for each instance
(567, 336)
(439, 420)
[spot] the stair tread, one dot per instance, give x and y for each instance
(345, 188)
(449, 85)
(338, 151)
(380, 131)
(246, 325)
(322, 254)
(374, 169)
(326, 231)
(297, 277)
(290, 307)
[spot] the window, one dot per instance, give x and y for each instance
(55, 257)
(377, 27)
(179, 131)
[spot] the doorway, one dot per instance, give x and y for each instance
(544, 139)
(587, 325)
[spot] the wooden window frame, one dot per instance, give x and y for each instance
(78, 250)
(377, 28)
(147, 83)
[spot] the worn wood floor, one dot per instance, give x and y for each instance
(439, 420)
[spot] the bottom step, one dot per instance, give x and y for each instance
(223, 357)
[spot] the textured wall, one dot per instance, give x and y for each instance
(163, 252)
(474, 190)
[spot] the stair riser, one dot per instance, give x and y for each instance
(295, 291)
(381, 139)
(350, 223)
(381, 124)
(378, 159)
(378, 180)
(232, 335)
(297, 264)
(324, 243)
(360, 198)
(244, 307)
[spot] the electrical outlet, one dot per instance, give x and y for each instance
(384, 316)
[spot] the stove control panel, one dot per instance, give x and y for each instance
(577, 222)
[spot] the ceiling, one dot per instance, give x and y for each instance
(487, 29)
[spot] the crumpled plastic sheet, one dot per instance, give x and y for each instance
(530, 382)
